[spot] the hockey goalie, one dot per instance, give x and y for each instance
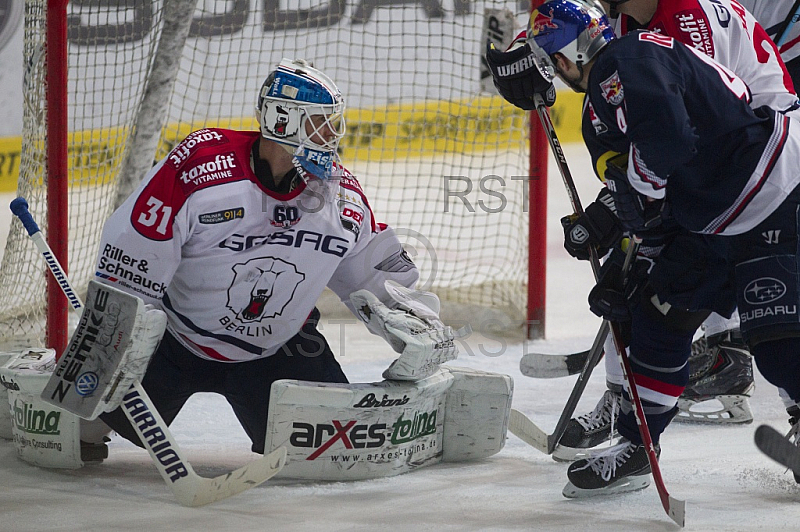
(233, 236)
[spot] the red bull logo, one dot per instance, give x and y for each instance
(612, 89)
(594, 29)
(541, 22)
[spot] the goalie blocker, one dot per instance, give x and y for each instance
(110, 349)
(361, 431)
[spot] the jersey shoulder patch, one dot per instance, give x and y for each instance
(353, 201)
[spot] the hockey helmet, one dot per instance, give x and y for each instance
(576, 28)
(302, 109)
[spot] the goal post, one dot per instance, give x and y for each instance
(110, 87)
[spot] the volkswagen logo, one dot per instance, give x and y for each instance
(86, 383)
(764, 290)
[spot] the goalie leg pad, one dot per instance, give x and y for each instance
(372, 430)
(5, 385)
(476, 415)
(44, 435)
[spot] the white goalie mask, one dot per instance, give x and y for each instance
(302, 109)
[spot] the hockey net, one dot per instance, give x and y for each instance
(441, 160)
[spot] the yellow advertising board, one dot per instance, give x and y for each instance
(485, 123)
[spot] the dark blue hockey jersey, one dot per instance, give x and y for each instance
(690, 135)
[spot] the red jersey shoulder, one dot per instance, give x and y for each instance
(205, 158)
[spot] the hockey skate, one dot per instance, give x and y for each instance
(618, 469)
(592, 429)
(720, 382)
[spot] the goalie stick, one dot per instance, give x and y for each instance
(189, 488)
(675, 508)
(778, 447)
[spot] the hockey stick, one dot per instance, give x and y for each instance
(544, 366)
(526, 430)
(189, 488)
(778, 447)
(786, 25)
(675, 508)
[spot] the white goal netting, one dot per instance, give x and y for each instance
(442, 161)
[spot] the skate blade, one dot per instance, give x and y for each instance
(717, 410)
(623, 485)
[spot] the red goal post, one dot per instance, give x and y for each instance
(109, 89)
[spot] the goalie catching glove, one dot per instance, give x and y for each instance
(413, 329)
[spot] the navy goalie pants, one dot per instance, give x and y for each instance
(175, 374)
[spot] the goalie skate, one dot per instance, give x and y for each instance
(720, 383)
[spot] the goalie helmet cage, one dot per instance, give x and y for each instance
(110, 87)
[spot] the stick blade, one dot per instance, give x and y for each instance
(207, 490)
(676, 510)
(775, 445)
(523, 428)
(542, 366)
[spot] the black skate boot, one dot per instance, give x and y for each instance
(720, 382)
(618, 469)
(592, 429)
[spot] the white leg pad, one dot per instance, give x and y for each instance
(372, 430)
(476, 414)
(44, 435)
(5, 412)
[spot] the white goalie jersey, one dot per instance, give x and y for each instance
(238, 268)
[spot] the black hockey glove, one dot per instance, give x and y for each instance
(615, 294)
(518, 78)
(598, 226)
(635, 211)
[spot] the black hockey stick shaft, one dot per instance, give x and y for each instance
(675, 508)
(596, 352)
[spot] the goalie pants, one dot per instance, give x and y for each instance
(175, 374)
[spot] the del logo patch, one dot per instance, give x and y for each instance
(612, 89)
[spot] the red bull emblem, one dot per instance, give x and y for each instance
(541, 22)
(612, 89)
(594, 28)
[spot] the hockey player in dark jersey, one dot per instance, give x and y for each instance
(687, 162)
(720, 367)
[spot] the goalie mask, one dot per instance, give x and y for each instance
(301, 108)
(576, 28)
